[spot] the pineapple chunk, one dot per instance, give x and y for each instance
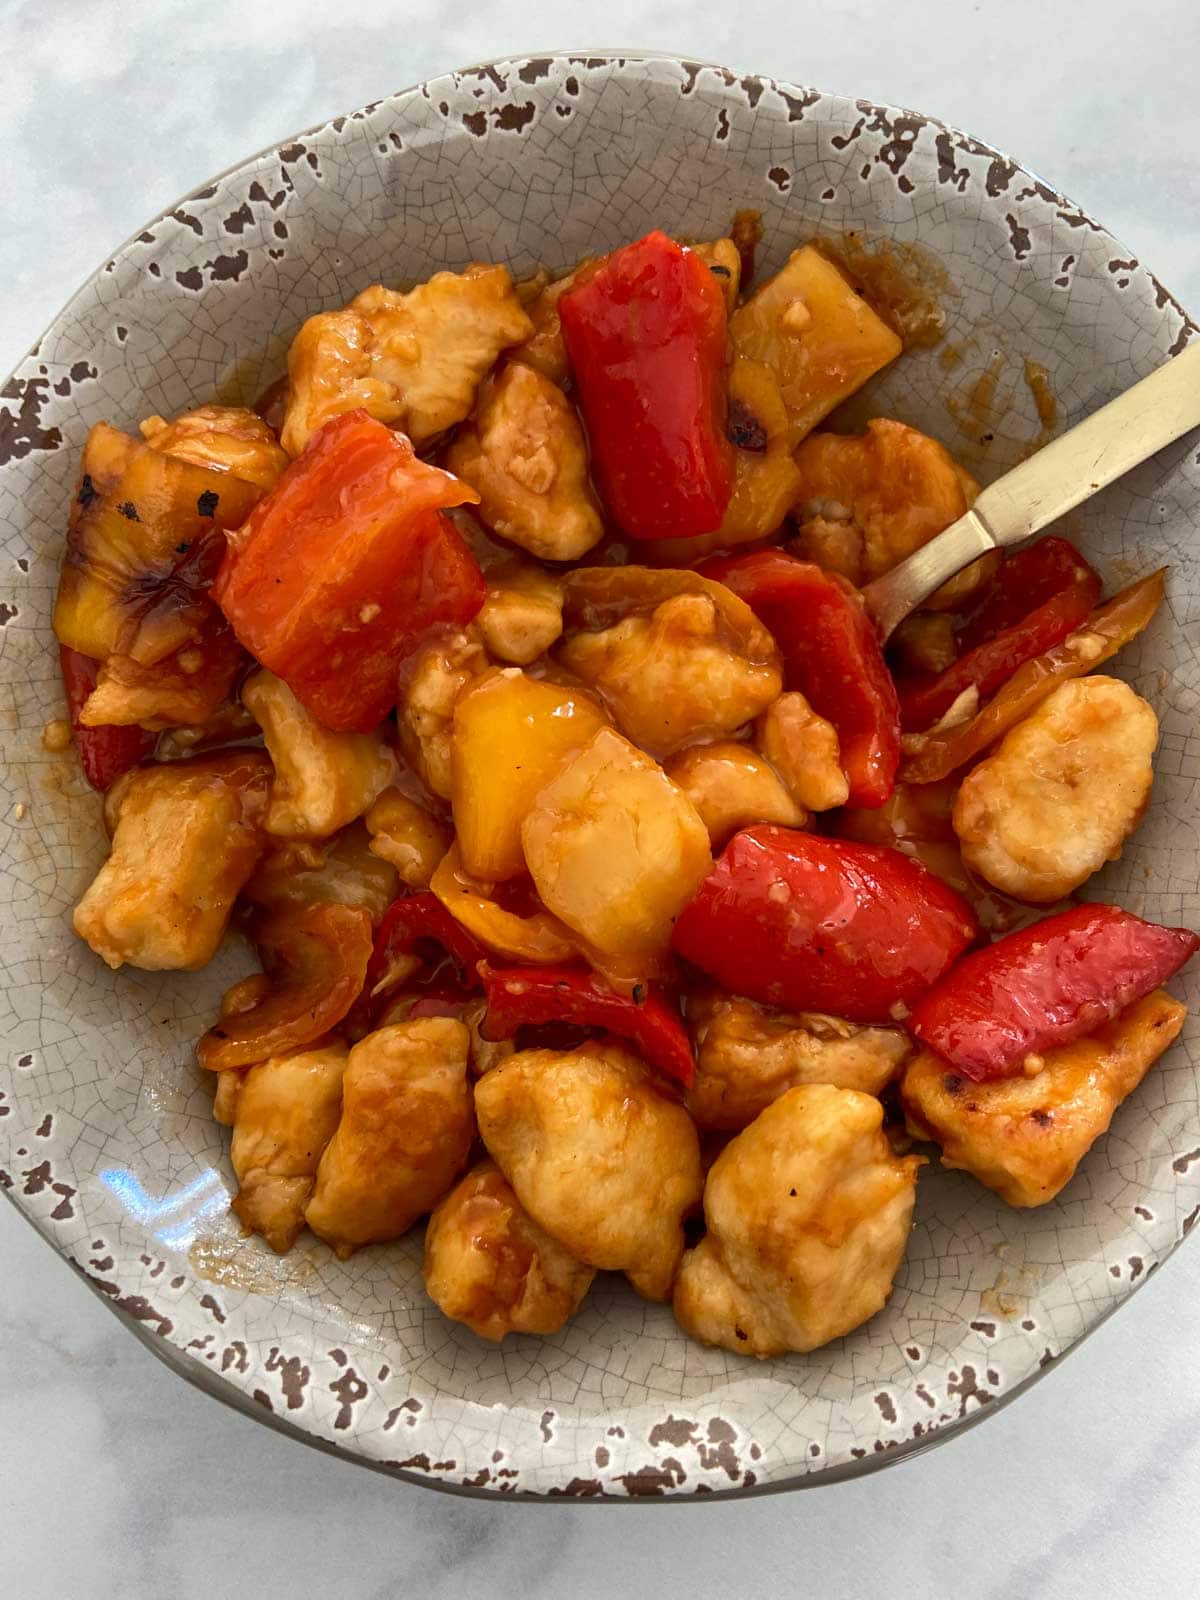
(144, 540)
(512, 734)
(821, 340)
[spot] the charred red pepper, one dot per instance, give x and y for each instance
(1039, 596)
(645, 335)
(815, 924)
(1058, 980)
(345, 565)
(831, 654)
(106, 752)
(517, 996)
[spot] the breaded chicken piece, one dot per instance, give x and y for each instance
(185, 838)
(732, 787)
(808, 1214)
(678, 674)
(615, 850)
(1062, 792)
(185, 689)
(224, 438)
(523, 613)
(488, 1264)
(545, 350)
(404, 1136)
(323, 780)
(414, 360)
(866, 501)
(600, 1158)
(441, 672)
(285, 1114)
(524, 453)
(342, 870)
(408, 836)
(1025, 1136)
(804, 750)
(747, 1055)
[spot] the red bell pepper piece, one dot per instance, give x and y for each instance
(1024, 581)
(1009, 630)
(417, 919)
(108, 751)
(831, 654)
(520, 995)
(345, 565)
(645, 335)
(815, 924)
(1058, 980)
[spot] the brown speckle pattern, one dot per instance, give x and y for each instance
(130, 1176)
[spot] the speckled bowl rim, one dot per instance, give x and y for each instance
(215, 1384)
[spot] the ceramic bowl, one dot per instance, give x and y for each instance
(107, 1141)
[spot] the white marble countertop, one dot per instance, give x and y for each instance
(121, 1480)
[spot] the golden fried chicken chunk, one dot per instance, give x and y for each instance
(185, 689)
(1025, 1136)
(804, 750)
(488, 1264)
(600, 1158)
(747, 1055)
(224, 438)
(1062, 792)
(678, 674)
(523, 613)
(404, 1135)
(343, 870)
(284, 1115)
(615, 850)
(408, 836)
(866, 501)
(323, 780)
(545, 350)
(412, 359)
(808, 1213)
(525, 455)
(441, 672)
(185, 838)
(732, 787)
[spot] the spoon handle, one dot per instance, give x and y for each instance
(1069, 470)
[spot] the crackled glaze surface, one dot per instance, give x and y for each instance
(106, 1136)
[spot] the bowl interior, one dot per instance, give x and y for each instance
(106, 1134)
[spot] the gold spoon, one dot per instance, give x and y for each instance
(1069, 470)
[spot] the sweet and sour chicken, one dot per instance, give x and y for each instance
(517, 702)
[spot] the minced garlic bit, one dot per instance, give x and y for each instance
(368, 613)
(796, 318)
(56, 736)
